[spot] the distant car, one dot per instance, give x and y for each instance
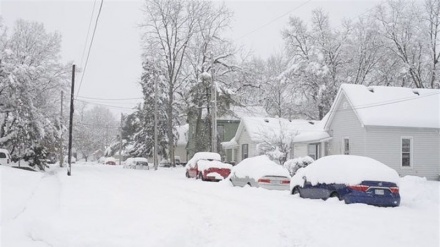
(261, 172)
(5, 157)
(354, 179)
(110, 161)
(72, 159)
(137, 163)
(207, 166)
(165, 163)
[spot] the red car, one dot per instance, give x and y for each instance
(208, 167)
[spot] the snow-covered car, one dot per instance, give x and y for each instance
(72, 159)
(5, 157)
(136, 163)
(110, 161)
(261, 172)
(354, 179)
(207, 166)
(165, 163)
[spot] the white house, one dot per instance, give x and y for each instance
(398, 126)
(255, 131)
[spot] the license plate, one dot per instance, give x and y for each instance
(379, 192)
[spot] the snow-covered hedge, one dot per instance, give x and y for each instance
(293, 165)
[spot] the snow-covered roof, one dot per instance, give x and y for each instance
(260, 129)
(392, 106)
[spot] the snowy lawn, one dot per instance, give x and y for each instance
(103, 205)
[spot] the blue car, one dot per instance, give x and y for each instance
(354, 179)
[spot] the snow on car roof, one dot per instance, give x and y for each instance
(140, 159)
(110, 159)
(258, 167)
(394, 106)
(345, 169)
(203, 156)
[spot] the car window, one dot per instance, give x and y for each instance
(2, 155)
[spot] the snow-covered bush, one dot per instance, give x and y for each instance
(293, 165)
(36, 156)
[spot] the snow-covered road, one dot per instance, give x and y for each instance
(110, 206)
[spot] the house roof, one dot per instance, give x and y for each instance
(391, 106)
(260, 129)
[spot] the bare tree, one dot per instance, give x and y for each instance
(400, 25)
(317, 58)
(432, 10)
(169, 26)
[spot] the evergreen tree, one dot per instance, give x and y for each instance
(143, 119)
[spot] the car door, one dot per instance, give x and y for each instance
(238, 181)
(311, 191)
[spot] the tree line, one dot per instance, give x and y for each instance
(186, 53)
(185, 48)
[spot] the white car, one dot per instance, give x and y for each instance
(137, 163)
(5, 157)
(261, 172)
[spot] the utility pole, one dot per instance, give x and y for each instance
(155, 158)
(214, 113)
(69, 159)
(120, 142)
(61, 131)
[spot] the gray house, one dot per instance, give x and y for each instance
(398, 126)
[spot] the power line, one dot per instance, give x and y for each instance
(114, 99)
(90, 47)
(112, 106)
(88, 32)
(273, 20)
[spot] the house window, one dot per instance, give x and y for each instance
(406, 151)
(244, 151)
(313, 151)
(346, 146)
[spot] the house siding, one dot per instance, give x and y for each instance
(345, 123)
(245, 139)
(384, 144)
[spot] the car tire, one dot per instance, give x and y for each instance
(295, 190)
(187, 174)
(335, 194)
(201, 176)
(249, 183)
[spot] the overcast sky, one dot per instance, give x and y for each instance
(114, 66)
